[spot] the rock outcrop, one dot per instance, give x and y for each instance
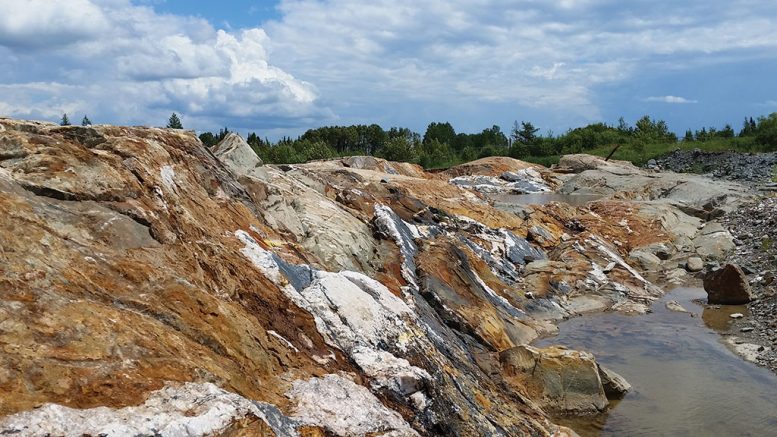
(727, 286)
(143, 276)
(562, 381)
(694, 194)
(235, 153)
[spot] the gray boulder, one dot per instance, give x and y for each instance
(694, 264)
(615, 386)
(236, 154)
(645, 259)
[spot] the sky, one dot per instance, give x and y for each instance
(281, 67)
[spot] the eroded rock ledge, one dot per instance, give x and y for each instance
(152, 286)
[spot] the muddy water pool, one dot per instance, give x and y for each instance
(685, 381)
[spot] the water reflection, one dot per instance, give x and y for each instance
(718, 317)
(685, 381)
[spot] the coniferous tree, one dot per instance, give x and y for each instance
(726, 132)
(527, 134)
(623, 127)
(174, 122)
(748, 128)
(208, 139)
(86, 121)
(222, 134)
(65, 121)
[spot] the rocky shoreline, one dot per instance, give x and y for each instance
(754, 227)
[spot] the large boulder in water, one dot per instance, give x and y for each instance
(563, 381)
(727, 286)
(615, 386)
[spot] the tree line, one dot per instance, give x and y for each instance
(442, 146)
(174, 122)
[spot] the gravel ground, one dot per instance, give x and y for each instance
(755, 230)
(754, 167)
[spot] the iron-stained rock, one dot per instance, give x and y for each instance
(727, 286)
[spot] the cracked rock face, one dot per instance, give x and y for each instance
(142, 276)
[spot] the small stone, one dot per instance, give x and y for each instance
(747, 329)
(737, 315)
(674, 305)
(419, 400)
(694, 264)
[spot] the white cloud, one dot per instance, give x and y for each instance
(670, 99)
(127, 64)
(529, 54)
(389, 61)
(44, 23)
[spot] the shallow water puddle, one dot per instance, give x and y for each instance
(505, 201)
(686, 382)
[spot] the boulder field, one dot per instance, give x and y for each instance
(149, 286)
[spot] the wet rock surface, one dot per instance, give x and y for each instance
(615, 386)
(134, 260)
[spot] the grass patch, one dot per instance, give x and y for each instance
(546, 161)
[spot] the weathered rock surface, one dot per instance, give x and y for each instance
(187, 410)
(561, 380)
(236, 154)
(727, 286)
(692, 193)
(137, 268)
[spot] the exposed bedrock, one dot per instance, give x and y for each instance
(150, 285)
